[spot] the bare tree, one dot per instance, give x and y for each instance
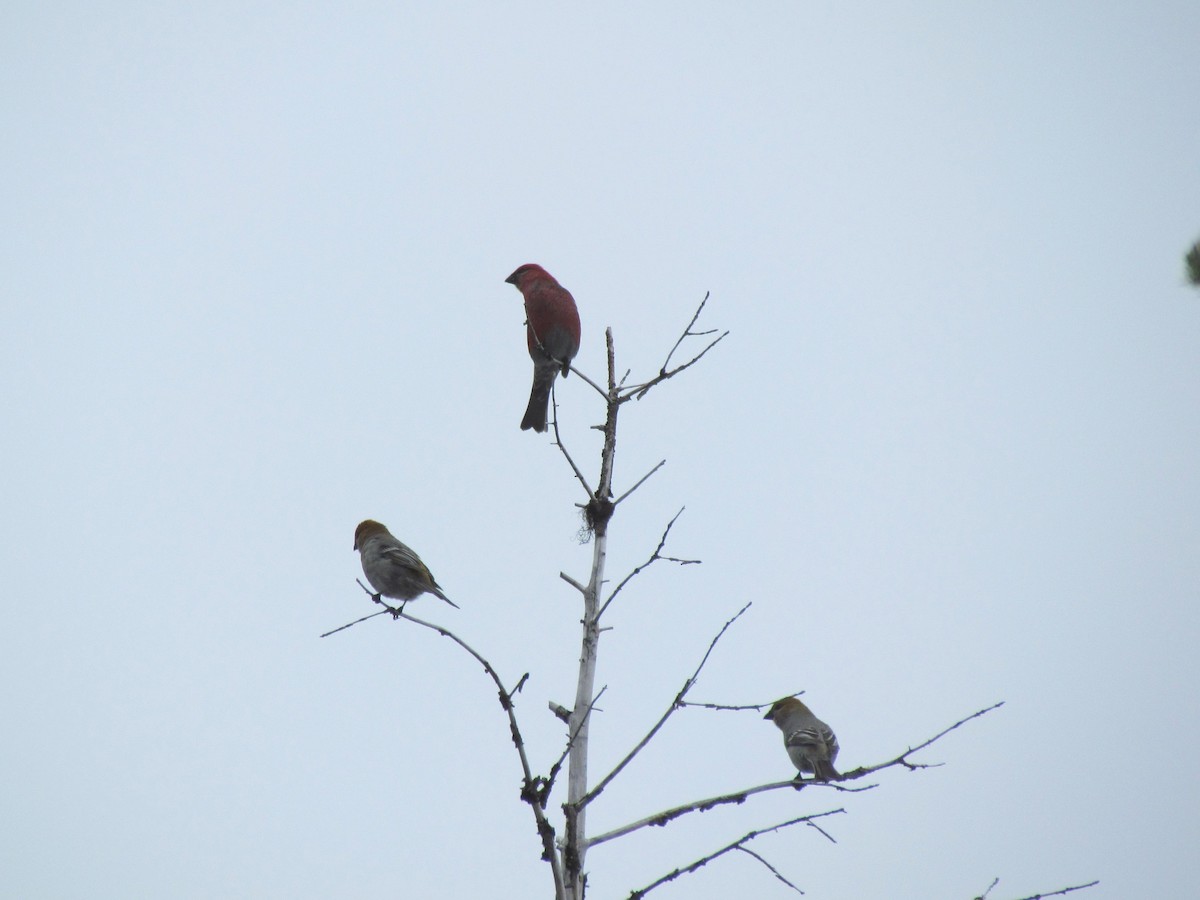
(565, 841)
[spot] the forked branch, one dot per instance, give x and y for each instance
(639, 390)
(532, 789)
(1060, 892)
(735, 845)
(667, 815)
(675, 704)
(654, 557)
(737, 797)
(902, 759)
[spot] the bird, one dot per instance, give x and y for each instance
(811, 744)
(551, 332)
(391, 567)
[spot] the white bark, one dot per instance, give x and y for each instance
(575, 845)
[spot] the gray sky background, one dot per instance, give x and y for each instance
(253, 266)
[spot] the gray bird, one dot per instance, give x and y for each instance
(391, 567)
(811, 744)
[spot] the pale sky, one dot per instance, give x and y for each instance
(253, 262)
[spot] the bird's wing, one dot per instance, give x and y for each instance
(402, 556)
(808, 736)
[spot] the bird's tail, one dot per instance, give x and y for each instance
(826, 772)
(539, 397)
(437, 592)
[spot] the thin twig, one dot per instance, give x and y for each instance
(1058, 893)
(774, 871)
(829, 837)
(757, 707)
(667, 815)
(621, 392)
(902, 759)
(554, 769)
(558, 441)
(356, 621)
(655, 556)
(640, 481)
(744, 839)
(599, 390)
(686, 332)
(687, 686)
(638, 391)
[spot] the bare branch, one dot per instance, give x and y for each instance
(599, 390)
(572, 582)
(563, 449)
(774, 871)
(638, 391)
(902, 759)
(736, 845)
(1060, 892)
(662, 818)
(687, 332)
(355, 622)
(1066, 890)
(530, 784)
(604, 488)
(687, 686)
(598, 513)
(625, 392)
(829, 837)
(644, 389)
(656, 555)
(661, 463)
(377, 598)
(757, 707)
(574, 733)
(667, 815)
(740, 796)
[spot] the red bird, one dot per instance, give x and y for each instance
(552, 333)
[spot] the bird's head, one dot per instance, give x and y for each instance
(780, 708)
(367, 528)
(526, 273)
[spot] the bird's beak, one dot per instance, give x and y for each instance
(511, 279)
(767, 716)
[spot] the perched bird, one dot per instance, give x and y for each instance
(391, 567)
(810, 743)
(552, 333)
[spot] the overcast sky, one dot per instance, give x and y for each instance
(253, 260)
